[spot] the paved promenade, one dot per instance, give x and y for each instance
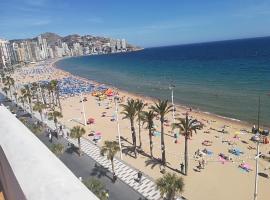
(126, 173)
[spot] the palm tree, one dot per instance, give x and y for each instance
(39, 107)
(162, 108)
(170, 185)
(42, 87)
(9, 81)
(110, 148)
(34, 89)
(5, 89)
(49, 89)
(187, 126)
(2, 74)
(54, 115)
(97, 187)
(139, 109)
(55, 89)
(129, 112)
(57, 149)
(22, 100)
(148, 119)
(77, 132)
(15, 94)
(55, 86)
(26, 93)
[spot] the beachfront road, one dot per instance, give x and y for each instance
(83, 166)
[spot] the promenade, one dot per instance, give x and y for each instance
(125, 173)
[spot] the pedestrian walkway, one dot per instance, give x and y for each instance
(127, 174)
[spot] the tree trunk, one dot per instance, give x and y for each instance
(41, 117)
(53, 99)
(56, 128)
(170, 196)
(43, 97)
(162, 143)
(186, 155)
(50, 98)
(30, 106)
(10, 93)
(58, 99)
(140, 139)
(133, 138)
(151, 142)
(79, 144)
(112, 166)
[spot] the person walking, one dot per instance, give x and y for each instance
(182, 167)
(50, 136)
(107, 194)
(139, 176)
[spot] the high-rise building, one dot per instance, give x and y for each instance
(123, 44)
(26, 51)
(15, 50)
(35, 51)
(1, 62)
(118, 44)
(58, 52)
(66, 50)
(43, 47)
(5, 53)
(113, 45)
(78, 50)
(50, 52)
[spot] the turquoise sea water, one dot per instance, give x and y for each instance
(224, 78)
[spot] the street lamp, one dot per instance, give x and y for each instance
(116, 98)
(83, 109)
(171, 87)
(257, 154)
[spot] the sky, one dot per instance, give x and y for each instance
(144, 23)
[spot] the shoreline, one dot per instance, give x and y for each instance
(154, 99)
(237, 136)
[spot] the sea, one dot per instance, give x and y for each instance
(225, 78)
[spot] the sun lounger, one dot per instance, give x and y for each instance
(207, 143)
(245, 167)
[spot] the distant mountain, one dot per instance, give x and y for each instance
(51, 37)
(72, 39)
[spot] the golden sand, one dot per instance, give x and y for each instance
(218, 181)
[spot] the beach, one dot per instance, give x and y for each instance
(220, 179)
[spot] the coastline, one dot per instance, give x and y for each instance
(237, 136)
(153, 99)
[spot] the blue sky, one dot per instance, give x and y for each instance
(142, 22)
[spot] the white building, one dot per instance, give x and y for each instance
(58, 53)
(66, 50)
(5, 59)
(50, 52)
(43, 47)
(77, 49)
(35, 51)
(123, 44)
(118, 44)
(113, 45)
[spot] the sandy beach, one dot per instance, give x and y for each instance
(220, 179)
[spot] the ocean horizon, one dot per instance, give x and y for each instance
(225, 78)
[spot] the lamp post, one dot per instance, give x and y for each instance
(83, 110)
(257, 154)
(171, 87)
(116, 98)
